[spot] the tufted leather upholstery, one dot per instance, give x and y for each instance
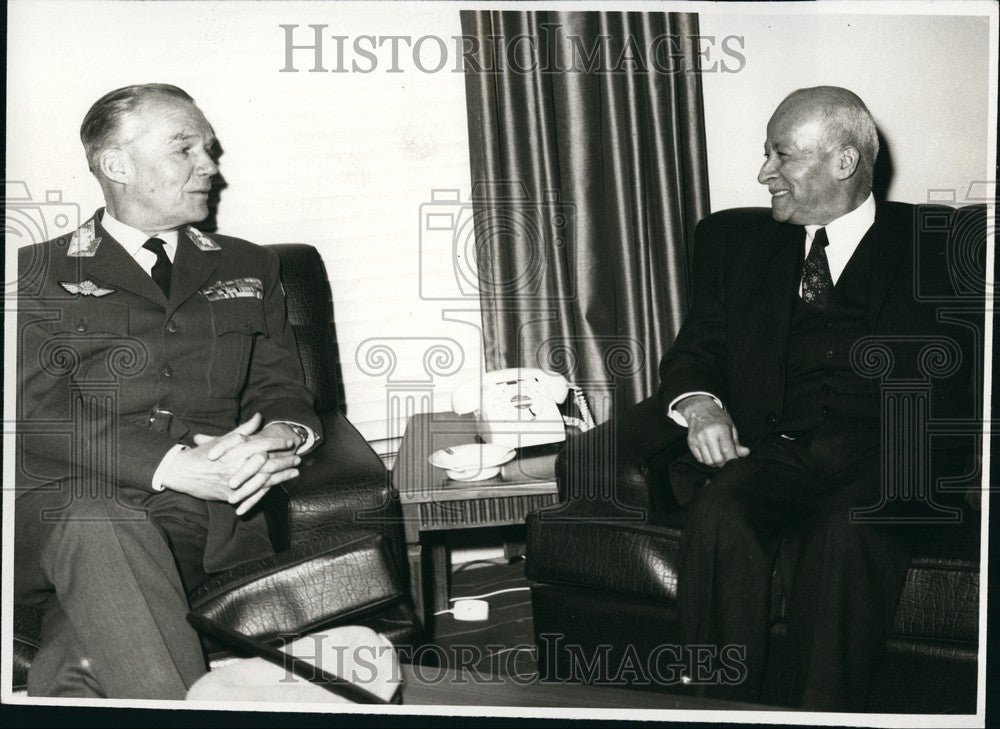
(604, 580)
(338, 526)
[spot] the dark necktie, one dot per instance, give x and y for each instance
(817, 283)
(161, 269)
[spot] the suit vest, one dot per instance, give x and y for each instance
(819, 381)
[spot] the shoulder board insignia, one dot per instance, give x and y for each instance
(84, 241)
(201, 240)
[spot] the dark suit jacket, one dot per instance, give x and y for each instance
(100, 348)
(734, 340)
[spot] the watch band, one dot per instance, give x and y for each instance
(299, 430)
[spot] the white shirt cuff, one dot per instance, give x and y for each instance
(161, 471)
(676, 416)
(311, 436)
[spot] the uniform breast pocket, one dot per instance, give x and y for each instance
(91, 342)
(237, 324)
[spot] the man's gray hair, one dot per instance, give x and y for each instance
(847, 121)
(103, 121)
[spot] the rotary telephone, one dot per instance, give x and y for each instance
(518, 407)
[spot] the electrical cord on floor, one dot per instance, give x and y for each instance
(498, 561)
(465, 565)
(489, 594)
(474, 607)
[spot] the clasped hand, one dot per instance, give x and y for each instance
(239, 467)
(712, 436)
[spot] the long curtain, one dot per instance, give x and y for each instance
(589, 174)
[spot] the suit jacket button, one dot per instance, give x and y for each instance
(772, 419)
(166, 371)
(825, 410)
(81, 326)
(171, 326)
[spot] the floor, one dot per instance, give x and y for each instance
(501, 645)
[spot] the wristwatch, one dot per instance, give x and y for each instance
(301, 431)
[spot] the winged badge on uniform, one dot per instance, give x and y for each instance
(86, 288)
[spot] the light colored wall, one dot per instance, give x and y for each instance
(924, 78)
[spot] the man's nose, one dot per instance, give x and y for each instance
(766, 171)
(207, 166)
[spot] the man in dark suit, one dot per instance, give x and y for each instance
(160, 397)
(767, 375)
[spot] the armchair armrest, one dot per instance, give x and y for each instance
(343, 486)
(307, 588)
(623, 462)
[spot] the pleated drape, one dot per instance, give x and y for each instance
(589, 174)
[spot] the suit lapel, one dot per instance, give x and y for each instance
(192, 268)
(781, 285)
(888, 245)
(112, 265)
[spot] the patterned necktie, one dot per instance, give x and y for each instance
(817, 283)
(161, 269)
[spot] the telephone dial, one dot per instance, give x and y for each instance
(518, 407)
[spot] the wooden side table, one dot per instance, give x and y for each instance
(432, 502)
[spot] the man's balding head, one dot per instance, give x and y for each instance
(845, 119)
(821, 147)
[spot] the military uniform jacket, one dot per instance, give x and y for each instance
(112, 374)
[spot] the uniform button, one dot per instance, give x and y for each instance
(825, 410)
(171, 326)
(166, 371)
(828, 354)
(828, 326)
(772, 419)
(81, 326)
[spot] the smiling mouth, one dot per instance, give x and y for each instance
(780, 193)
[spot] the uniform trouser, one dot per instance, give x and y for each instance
(112, 572)
(847, 575)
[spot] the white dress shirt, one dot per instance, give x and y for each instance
(132, 241)
(844, 234)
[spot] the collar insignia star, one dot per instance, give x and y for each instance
(201, 240)
(84, 241)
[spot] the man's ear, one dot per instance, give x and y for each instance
(115, 165)
(847, 159)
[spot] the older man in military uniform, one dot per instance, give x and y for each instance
(164, 356)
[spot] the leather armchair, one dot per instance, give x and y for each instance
(602, 564)
(337, 528)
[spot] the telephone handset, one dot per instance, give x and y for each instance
(517, 407)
